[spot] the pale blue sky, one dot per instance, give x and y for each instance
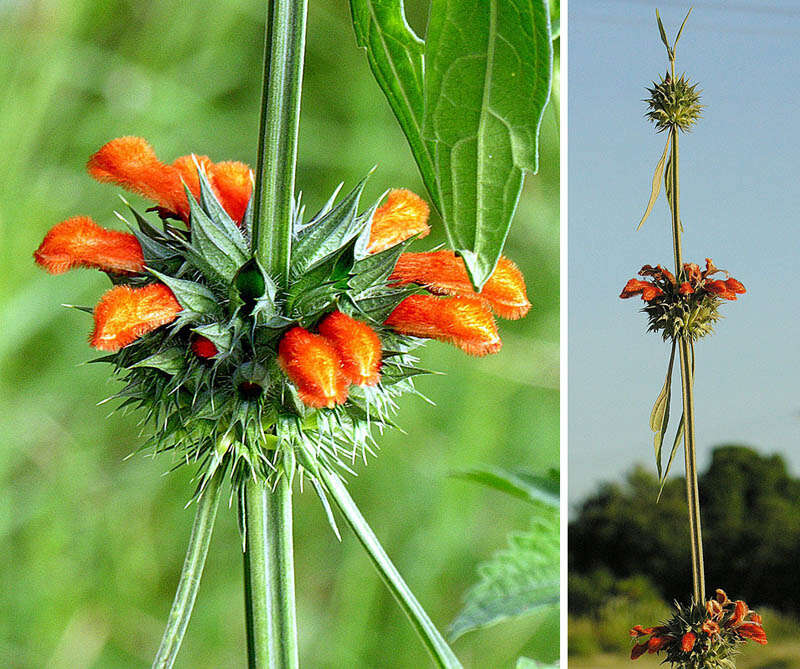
(740, 205)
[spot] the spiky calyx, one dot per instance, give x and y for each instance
(701, 636)
(683, 307)
(674, 103)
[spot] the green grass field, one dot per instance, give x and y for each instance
(91, 545)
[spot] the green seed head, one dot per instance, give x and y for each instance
(674, 103)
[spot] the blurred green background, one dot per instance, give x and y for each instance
(91, 545)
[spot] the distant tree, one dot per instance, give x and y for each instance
(751, 528)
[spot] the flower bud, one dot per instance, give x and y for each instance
(313, 365)
(358, 346)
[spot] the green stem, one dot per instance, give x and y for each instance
(277, 140)
(687, 386)
(676, 203)
(269, 576)
(692, 490)
(434, 641)
(192, 570)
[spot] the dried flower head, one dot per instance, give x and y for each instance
(683, 307)
(237, 373)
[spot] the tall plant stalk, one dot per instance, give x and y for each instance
(268, 553)
(686, 356)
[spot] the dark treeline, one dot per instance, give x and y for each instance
(751, 533)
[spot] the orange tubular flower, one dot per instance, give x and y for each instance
(358, 346)
(124, 314)
(313, 365)
(753, 631)
(687, 641)
(403, 215)
(131, 163)
(459, 321)
(635, 287)
(727, 289)
(638, 650)
(80, 242)
(444, 273)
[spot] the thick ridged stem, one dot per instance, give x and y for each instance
(277, 141)
(269, 576)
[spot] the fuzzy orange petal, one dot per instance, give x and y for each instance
(131, 163)
(233, 183)
(444, 273)
(80, 242)
(358, 346)
(459, 321)
(313, 365)
(403, 215)
(187, 169)
(124, 314)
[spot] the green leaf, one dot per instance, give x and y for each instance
(678, 36)
(395, 55)
(663, 34)
(517, 580)
(529, 487)
(675, 444)
(328, 234)
(656, 186)
(193, 297)
(668, 185)
(488, 68)
(659, 416)
(433, 640)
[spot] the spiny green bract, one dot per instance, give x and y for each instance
(674, 103)
(677, 316)
(238, 410)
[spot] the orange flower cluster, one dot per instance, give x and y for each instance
(695, 281)
(126, 313)
(453, 313)
(721, 618)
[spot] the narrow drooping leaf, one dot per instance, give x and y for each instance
(517, 580)
(659, 417)
(678, 437)
(529, 487)
(488, 66)
(656, 187)
(668, 186)
(395, 55)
